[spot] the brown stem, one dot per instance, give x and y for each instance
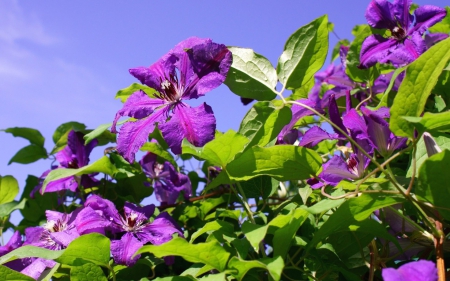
(439, 245)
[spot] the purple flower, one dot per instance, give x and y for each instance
(56, 234)
(421, 270)
(406, 43)
(75, 155)
(191, 69)
(167, 182)
(131, 225)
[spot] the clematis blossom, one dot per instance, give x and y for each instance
(131, 226)
(167, 182)
(191, 69)
(406, 42)
(75, 155)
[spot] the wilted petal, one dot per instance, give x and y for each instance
(197, 125)
(421, 270)
(315, 135)
(380, 14)
(134, 134)
(375, 48)
(122, 250)
(160, 230)
(427, 16)
(139, 105)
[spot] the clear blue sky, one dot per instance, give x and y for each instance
(64, 61)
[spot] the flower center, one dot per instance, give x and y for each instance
(171, 90)
(73, 164)
(352, 164)
(398, 33)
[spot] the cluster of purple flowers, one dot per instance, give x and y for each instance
(129, 230)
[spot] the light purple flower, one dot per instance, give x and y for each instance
(75, 155)
(406, 43)
(167, 182)
(191, 69)
(421, 270)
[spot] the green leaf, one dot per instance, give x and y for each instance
(443, 140)
(30, 252)
(239, 267)
(175, 278)
(262, 186)
(351, 212)
(304, 54)
(102, 165)
(7, 208)
(433, 182)
(7, 274)
(211, 227)
(283, 162)
(421, 77)
(211, 253)
(29, 154)
(251, 75)
(63, 129)
(87, 272)
(431, 122)
(219, 151)
(327, 204)
(100, 132)
(88, 248)
(33, 135)
(263, 122)
(444, 25)
(157, 149)
(254, 233)
(283, 236)
(9, 188)
(125, 93)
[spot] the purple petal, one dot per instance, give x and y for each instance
(122, 250)
(89, 221)
(315, 135)
(167, 189)
(380, 14)
(69, 183)
(160, 230)
(197, 125)
(427, 16)
(421, 270)
(401, 13)
(152, 76)
(407, 52)
(140, 213)
(76, 143)
(355, 123)
(335, 116)
(14, 242)
(64, 237)
(289, 138)
(139, 105)
(299, 112)
(35, 269)
(336, 170)
(433, 38)
(375, 48)
(134, 134)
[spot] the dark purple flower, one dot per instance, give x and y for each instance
(132, 225)
(75, 155)
(421, 270)
(406, 43)
(191, 69)
(167, 182)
